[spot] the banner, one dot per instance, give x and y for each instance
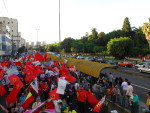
(61, 86)
(34, 85)
(12, 70)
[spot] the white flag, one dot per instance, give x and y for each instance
(61, 86)
(34, 85)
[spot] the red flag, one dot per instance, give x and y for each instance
(91, 99)
(99, 105)
(56, 64)
(18, 86)
(70, 78)
(109, 91)
(38, 57)
(29, 56)
(13, 78)
(45, 58)
(12, 96)
(53, 95)
(1, 73)
(28, 63)
(50, 105)
(6, 63)
(2, 90)
(18, 63)
(29, 99)
(63, 72)
(30, 77)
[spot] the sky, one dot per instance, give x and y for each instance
(77, 16)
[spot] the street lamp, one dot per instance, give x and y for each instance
(59, 32)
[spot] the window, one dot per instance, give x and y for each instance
(4, 48)
(8, 22)
(12, 30)
(3, 38)
(3, 21)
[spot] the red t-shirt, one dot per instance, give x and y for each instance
(81, 95)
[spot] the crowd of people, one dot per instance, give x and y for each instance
(81, 92)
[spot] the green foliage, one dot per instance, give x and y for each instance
(126, 26)
(94, 35)
(111, 35)
(67, 44)
(77, 46)
(120, 47)
(52, 47)
(98, 49)
(21, 49)
(95, 42)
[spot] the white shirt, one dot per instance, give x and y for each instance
(129, 90)
(124, 85)
(76, 85)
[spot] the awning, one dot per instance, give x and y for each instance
(88, 67)
(84, 66)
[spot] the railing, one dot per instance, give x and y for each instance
(122, 105)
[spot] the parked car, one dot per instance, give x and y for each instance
(144, 69)
(112, 62)
(126, 64)
(142, 64)
(80, 57)
(100, 60)
(89, 59)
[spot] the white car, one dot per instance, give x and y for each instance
(88, 58)
(144, 69)
(141, 65)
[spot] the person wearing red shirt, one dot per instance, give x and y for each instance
(81, 99)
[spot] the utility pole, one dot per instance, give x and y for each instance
(59, 32)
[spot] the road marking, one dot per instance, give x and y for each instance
(141, 86)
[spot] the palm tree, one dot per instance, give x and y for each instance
(146, 30)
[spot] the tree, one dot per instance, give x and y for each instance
(89, 46)
(77, 46)
(100, 40)
(126, 27)
(98, 49)
(120, 47)
(146, 30)
(94, 34)
(21, 49)
(114, 34)
(67, 44)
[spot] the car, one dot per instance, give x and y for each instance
(100, 60)
(112, 62)
(142, 64)
(89, 59)
(126, 64)
(144, 69)
(80, 57)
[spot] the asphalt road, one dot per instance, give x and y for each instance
(140, 81)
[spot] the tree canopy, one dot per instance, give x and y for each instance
(120, 47)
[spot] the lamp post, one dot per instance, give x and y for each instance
(59, 32)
